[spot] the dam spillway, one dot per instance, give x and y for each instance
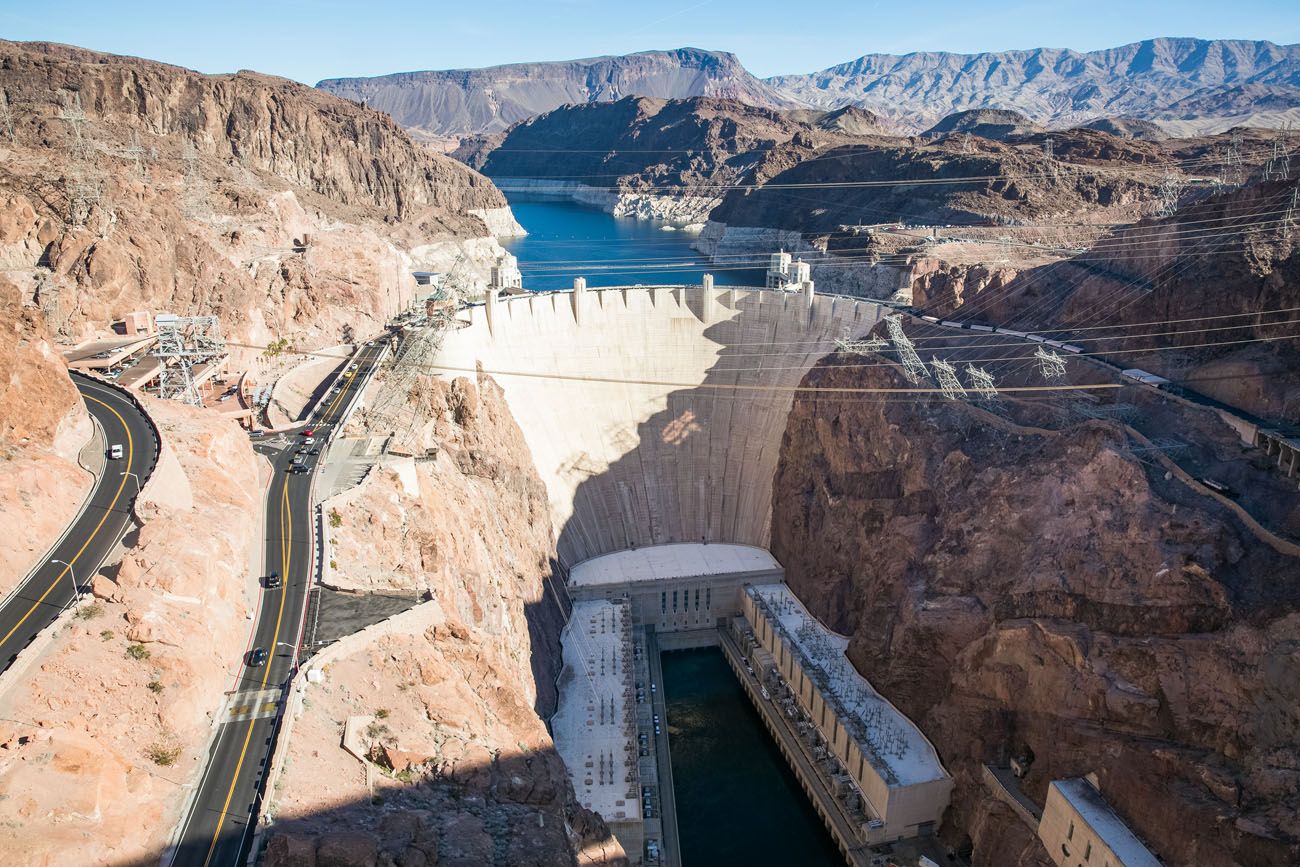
(654, 414)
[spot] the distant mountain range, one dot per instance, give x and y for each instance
(1189, 85)
(473, 101)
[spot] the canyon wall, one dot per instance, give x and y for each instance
(1035, 592)
(287, 212)
(443, 701)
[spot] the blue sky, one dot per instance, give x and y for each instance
(313, 39)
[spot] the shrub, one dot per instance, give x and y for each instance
(163, 755)
(382, 713)
(155, 686)
(336, 520)
(89, 612)
(138, 651)
(106, 634)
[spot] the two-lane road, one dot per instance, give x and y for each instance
(34, 604)
(217, 829)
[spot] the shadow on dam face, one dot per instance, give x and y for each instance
(654, 414)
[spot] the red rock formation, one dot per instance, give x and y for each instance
(1021, 590)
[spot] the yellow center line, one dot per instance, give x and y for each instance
(130, 457)
(286, 557)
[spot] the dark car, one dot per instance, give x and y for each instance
(273, 581)
(257, 657)
(298, 468)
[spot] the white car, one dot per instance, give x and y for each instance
(115, 452)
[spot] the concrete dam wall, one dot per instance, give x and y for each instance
(654, 414)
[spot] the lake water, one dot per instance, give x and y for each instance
(737, 800)
(567, 240)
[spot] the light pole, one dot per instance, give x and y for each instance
(293, 662)
(134, 476)
(76, 591)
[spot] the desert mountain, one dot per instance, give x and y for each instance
(468, 101)
(991, 123)
(183, 192)
(1059, 87)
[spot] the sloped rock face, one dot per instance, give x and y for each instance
(1021, 591)
(450, 694)
(43, 423)
(284, 211)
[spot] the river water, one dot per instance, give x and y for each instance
(737, 800)
(567, 240)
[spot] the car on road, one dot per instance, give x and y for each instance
(257, 657)
(273, 581)
(115, 452)
(298, 468)
(308, 433)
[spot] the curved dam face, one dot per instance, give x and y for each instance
(654, 414)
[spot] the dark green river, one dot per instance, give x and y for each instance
(737, 801)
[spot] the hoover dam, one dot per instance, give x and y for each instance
(654, 414)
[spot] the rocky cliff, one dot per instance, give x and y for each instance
(468, 101)
(448, 760)
(43, 424)
(1029, 589)
(1189, 80)
(285, 211)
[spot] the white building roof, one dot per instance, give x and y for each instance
(683, 560)
(1094, 810)
(896, 747)
(594, 724)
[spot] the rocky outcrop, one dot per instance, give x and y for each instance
(997, 124)
(43, 424)
(652, 157)
(285, 211)
(443, 701)
(1029, 592)
(1059, 87)
(473, 101)
(101, 736)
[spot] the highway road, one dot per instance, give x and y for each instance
(218, 827)
(74, 560)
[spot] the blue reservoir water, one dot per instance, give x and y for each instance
(567, 240)
(737, 800)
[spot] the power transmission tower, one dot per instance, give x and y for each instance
(913, 366)
(6, 116)
(981, 382)
(1049, 158)
(859, 347)
(1289, 217)
(194, 200)
(1168, 194)
(135, 153)
(82, 189)
(1233, 171)
(1051, 365)
(185, 342)
(947, 376)
(1278, 167)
